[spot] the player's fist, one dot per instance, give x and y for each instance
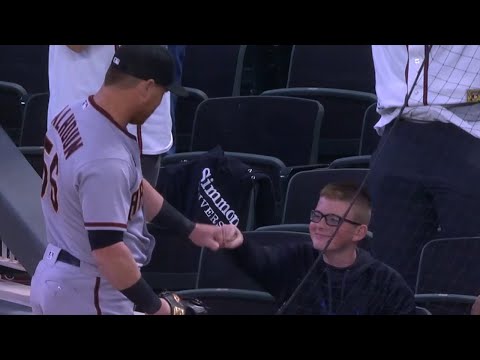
(205, 235)
(231, 237)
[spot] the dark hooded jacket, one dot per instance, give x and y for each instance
(367, 287)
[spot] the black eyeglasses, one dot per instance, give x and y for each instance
(331, 219)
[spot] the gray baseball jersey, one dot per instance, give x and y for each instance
(92, 180)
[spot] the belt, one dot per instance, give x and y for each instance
(65, 257)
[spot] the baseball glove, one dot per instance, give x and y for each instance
(183, 306)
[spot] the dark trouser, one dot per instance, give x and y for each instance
(178, 53)
(270, 66)
(151, 168)
(424, 183)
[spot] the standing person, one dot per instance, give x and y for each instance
(346, 280)
(424, 174)
(178, 53)
(96, 202)
(77, 71)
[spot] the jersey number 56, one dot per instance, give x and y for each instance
(50, 173)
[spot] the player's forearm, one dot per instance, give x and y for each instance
(152, 201)
(77, 48)
(117, 265)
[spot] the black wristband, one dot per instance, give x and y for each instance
(142, 295)
(171, 218)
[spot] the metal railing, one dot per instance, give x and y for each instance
(8, 259)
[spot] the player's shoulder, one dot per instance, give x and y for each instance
(111, 167)
(101, 139)
(96, 124)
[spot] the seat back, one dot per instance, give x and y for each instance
(214, 69)
(281, 127)
(272, 167)
(26, 65)
(445, 304)
(34, 124)
(174, 262)
(304, 189)
(301, 228)
(341, 128)
(419, 310)
(332, 66)
(185, 110)
(450, 266)
(266, 67)
(214, 187)
(233, 301)
(12, 96)
(34, 127)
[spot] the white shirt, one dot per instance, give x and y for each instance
(451, 72)
(74, 76)
(155, 135)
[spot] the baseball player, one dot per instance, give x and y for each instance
(96, 202)
(77, 71)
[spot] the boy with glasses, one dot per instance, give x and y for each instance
(345, 280)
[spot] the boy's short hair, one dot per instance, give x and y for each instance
(345, 191)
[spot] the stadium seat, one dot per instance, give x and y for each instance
(448, 278)
(332, 66)
(233, 301)
(281, 127)
(304, 189)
